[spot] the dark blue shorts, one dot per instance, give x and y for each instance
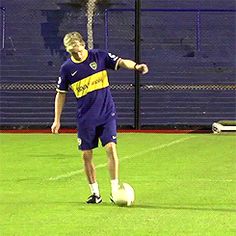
(88, 136)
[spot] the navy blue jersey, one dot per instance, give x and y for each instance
(89, 81)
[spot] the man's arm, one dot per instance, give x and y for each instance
(131, 65)
(59, 104)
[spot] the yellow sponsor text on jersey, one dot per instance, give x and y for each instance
(91, 83)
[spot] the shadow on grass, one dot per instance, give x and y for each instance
(135, 206)
(160, 207)
(192, 208)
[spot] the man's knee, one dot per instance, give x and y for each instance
(111, 150)
(87, 155)
(110, 146)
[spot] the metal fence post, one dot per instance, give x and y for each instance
(137, 59)
(3, 10)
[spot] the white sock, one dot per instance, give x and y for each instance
(94, 188)
(114, 185)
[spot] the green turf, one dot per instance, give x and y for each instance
(185, 184)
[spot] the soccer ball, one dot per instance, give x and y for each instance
(124, 196)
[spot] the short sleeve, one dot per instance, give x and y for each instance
(112, 61)
(63, 82)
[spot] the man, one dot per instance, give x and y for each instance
(85, 72)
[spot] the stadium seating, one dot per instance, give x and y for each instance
(191, 79)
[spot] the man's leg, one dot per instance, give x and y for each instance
(90, 172)
(113, 165)
(89, 166)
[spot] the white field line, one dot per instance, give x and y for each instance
(75, 172)
(198, 180)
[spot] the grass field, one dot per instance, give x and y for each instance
(185, 184)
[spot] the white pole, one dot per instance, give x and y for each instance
(91, 5)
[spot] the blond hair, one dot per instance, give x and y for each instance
(71, 39)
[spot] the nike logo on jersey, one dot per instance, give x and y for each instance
(113, 137)
(74, 73)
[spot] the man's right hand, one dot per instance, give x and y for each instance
(55, 127)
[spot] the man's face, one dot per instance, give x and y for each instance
(78, 51)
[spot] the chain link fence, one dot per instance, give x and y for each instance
(124, 87)
(190, 54)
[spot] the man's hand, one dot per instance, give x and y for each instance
(55, 127)
(143, 68)
(131, 65)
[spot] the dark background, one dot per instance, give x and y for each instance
(188, 45)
